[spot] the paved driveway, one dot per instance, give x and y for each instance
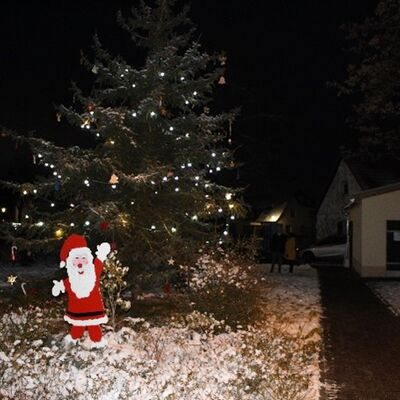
(361, 339)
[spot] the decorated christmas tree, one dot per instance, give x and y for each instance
(147, 180)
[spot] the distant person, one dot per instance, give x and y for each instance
(277, 247)
(290, 252)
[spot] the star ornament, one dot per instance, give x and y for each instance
(11, 279)
(171, 261)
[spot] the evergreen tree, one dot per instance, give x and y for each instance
(373, 80)
(147, 182)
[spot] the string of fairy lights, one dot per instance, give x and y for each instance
(88, 124)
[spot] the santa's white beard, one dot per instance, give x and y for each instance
(81, 284)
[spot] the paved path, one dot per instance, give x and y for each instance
(361, 339)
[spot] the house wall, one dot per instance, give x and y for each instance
(331, 210)
(301, 219)
(376, 211)
(355, 217)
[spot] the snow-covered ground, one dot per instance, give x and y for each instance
(190, 357)
(388, 292)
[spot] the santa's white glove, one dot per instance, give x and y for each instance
(58, 288)
(103, 250)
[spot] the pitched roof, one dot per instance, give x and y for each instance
(370, 175)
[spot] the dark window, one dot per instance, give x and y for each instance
(340, 228)
(345, 188)
(393, 245)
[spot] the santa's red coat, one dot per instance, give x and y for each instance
(89, 310)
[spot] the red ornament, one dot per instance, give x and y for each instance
(167, 288)
(104, 225)
(14, 253)
(90, 107)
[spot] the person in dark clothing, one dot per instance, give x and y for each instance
(278, 242)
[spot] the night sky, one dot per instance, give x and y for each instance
(281, 55)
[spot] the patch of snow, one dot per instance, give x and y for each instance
(389, 293)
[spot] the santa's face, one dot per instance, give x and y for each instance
(81, 272)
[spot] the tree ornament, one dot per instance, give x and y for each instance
(206, 110)
(11, 279)
(58, 116)
(90, 107)
(114, 179)
(222, 80)
(57, 186)
(85, 308)
(170, 173)
(167, 288)
(171, 261)
(104, 225)
(95, 69)
(14, 253)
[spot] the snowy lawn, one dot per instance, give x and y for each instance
(389, 292)
(189, 356)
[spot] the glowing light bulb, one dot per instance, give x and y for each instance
(173, 229)
(134, 114)
(197, 178)
(52, 205)
(86, 181)
(59, 176)
(189, 164)
(112, 142)
(231, 206)
(152, 114)
(40, 223)
(171, 128)
(39, 155)
(52, 166)
(59, 232)
(98, 134)
(133, 85)
(177, 189)
(210, 171)
(113, 186)
(72, 224)
(228, 196)
(182, 78)
(3, 209)
(176, 178)
(186, 101)
(195, 218)
(183, 166)
(26, 216)
(46, 164)
(218, 169)
(187, 135)
(25, 192)
(132, 203)
(72, 205)
(220, 210)
(195, 93)
(35, 191)
(232, 217)
(87, 223)
(55, 173)
(213, 154)
(165, 179)
(153, 227)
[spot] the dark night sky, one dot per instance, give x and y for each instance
(280, 56)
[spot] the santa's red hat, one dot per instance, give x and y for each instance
(73, 241)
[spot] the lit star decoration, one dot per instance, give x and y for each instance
(11, 279)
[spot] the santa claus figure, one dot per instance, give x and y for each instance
(85, 309)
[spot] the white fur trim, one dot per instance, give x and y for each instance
(68, 340)
(86, 322)
(99, 345)
(62, 264)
